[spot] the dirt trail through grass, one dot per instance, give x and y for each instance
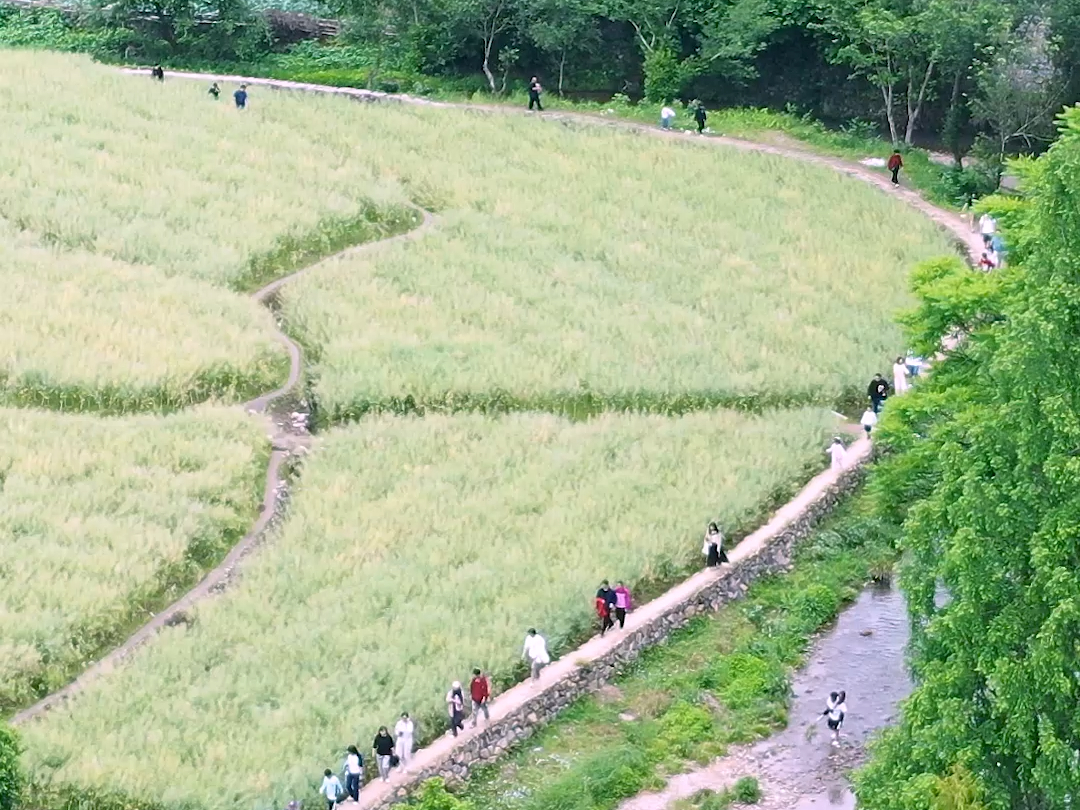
(289, 420)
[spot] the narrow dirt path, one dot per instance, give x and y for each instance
(289, 437)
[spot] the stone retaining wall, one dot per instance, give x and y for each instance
(774, 555)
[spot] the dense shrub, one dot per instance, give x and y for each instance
(10, 772)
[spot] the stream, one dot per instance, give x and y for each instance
(798, 768)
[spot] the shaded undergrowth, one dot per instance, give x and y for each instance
(724, 679)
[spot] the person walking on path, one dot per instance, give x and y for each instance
(535, 653)
(455, 706)
(331, 789)
(623, 604)
(878, 391)
(713, 547)
(240, 96)
(534, 94)
(895, 164)
(700, 116)
(354, 772)
(404, 731)
(899, 376)
(605, 605)
(837, 454)
(383, 746)
(480, 692)
(157, 73)
(214, 92)
(869, 419)
(987, 227)
(667, 116)
(835, 711)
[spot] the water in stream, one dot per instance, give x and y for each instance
(862, 654)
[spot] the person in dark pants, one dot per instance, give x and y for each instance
(713, 547)
(878, 391)
(605, 606)
(534, 94)
(896, 163)
(700, 116)
(157, 73)
(455, 707)
(622, 604)
(214, 91)
(331, 789)
(241, 97)
(354, 771)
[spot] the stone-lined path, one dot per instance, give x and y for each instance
(290, 435)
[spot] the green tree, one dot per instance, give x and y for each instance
(562, 28)
(986, 479)
(10, 774)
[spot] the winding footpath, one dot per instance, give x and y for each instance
(290, 436)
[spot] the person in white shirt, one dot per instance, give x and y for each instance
(667, 116)
(900, 376)
(404, 731)
(835, 711)
(535, 652)
(455, 705)
(354, 773)
(987, 227)
(331, 789)
(869, 419)
(838, 454)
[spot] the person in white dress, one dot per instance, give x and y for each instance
(900, 376)
(838, 454)
(869, 419)
(404, 731)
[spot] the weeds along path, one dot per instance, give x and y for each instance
(289, 436)
(948, 220)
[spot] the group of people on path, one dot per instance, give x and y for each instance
(993, 247)
(612, 605)
(157, 73)
(390, 751)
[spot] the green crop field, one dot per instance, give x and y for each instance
(100, 519)
(415, 549)
(572, 269)
(85, 332)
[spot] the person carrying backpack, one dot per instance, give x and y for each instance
(354, 772)
(895, 164)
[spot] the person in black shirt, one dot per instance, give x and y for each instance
(383, 745)
(214, 91)
(157, 73)
(605, 606)
(878, 391)
(534, 94)
(700, 116)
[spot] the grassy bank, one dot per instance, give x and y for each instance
(723, 679)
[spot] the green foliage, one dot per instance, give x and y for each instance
(665, 75)
(11, 778)
(433, 795)
(987, 482)
(746, 790)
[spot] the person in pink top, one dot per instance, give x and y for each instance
(622, 604)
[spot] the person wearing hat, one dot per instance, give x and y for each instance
(455, 705)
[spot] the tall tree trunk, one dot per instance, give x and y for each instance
(913, 111)
(562, 67)
(488, 43)
(954, 118)
(890, 113)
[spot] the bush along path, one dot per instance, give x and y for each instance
(969, 241)
(289, 418)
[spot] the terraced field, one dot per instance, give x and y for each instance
(646, 335)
